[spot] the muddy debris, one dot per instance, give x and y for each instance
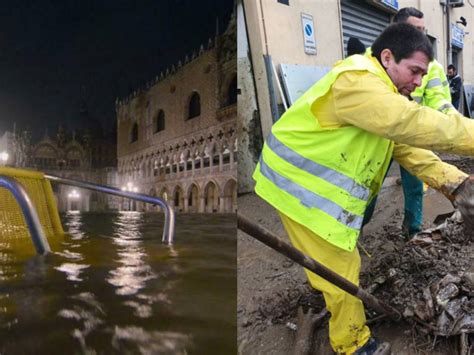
(429, 278)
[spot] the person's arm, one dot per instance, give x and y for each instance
(429, 168)
(366, 101)
(456, 185)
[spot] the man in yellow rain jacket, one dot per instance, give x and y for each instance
(433, 92)
(326, 157)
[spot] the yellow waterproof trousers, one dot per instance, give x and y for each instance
(347, 329)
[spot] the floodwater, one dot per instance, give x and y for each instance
(111, 286)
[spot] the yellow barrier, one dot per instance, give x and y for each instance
(13, 228)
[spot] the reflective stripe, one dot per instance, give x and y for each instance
(310, 199)
(445, 107)
(333, 177)
(433, 82)
(417, 99)
(445, 83)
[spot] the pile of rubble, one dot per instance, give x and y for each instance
(430, 278)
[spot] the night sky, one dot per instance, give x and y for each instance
(56, 55)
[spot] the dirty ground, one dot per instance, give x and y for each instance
(430, 280)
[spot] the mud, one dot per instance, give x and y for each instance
(429, 279)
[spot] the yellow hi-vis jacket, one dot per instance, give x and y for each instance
(327, 155)
(434, 89)
(323, 178)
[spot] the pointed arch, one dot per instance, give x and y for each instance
(230, 196)
(192, 196)
(134, 133)
(211, 197)
(231, 98)
(194, 105)
(159, 122)
(178, 198)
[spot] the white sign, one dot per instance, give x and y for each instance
(308, 34)
(457, 36)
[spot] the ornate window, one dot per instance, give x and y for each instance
(159, 122)
(134, 133)
(194, 106)
(232, 92)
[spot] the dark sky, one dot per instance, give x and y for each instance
(55, 54)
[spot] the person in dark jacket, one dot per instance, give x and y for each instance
(455, 85)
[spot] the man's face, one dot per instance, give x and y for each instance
(417, 22)
(406, 75)
(451, 72)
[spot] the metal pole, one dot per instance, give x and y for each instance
(168, 231)
(29, 212)
(271, 240)
(448, 34)
(273, 101)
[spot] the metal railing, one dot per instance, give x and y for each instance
(29, 212)
(168, 230)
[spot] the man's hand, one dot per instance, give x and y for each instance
(464, 200)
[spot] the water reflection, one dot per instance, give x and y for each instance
(89, 312)
(133, 271)
(72, 271)
(74, 225)
(149, 342)
(83, 308)
(112, 287)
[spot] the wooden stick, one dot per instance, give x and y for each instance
(271, 240)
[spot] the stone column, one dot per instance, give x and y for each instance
(221, 204)
(202, 204)
(186, 207)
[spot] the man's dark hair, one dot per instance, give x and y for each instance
(451, 66)
(403, 40)
(403, 14)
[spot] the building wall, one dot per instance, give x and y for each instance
(249, 130)
(192, 162)
(70, 158)
(171, 95)
(466, 69)
(275, 29)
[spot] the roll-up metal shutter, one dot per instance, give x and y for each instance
(363, 21)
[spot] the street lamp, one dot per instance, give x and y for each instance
(131, 188)
(73, 196)
(4, 158)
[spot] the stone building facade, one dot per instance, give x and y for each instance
(176, 137)
(83, 157)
